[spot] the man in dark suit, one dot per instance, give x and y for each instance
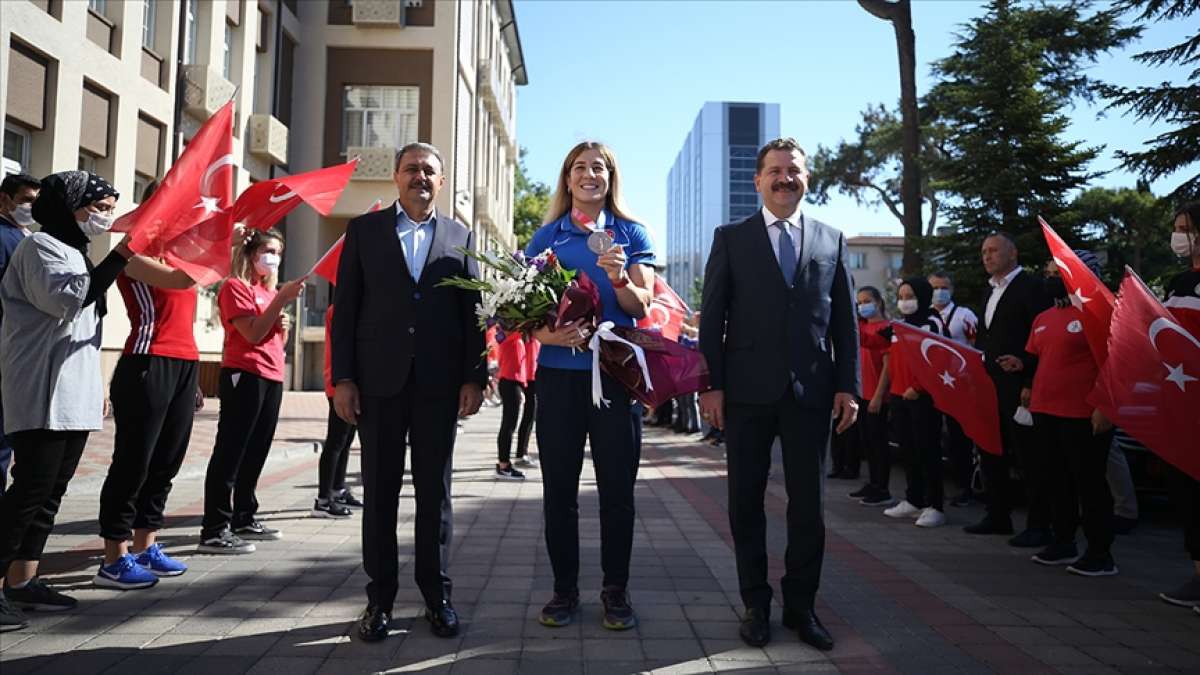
(406, 365)
(781, 340)
(1010, 304)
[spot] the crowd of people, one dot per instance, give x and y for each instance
(790, 344)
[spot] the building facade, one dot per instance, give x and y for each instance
(876, 260)
(712, 182)
(118, 86)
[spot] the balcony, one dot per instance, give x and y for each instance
(205, 91)
(490, 89)
(377, 13)
(374, 163)
(268, 138)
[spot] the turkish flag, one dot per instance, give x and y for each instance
(327, 266)
(955, 377)
(667, 311)
(265, 202)
(1150, 385)
(1087, 293)
(186, 220)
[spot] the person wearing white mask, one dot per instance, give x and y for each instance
(961, 324)
(17, 194)
(251, 391)
(53, 300)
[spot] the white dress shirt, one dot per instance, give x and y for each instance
(960, 321)
(998, 288)
(795, 225)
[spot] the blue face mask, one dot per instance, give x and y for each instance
(867, 310)
(941, 296)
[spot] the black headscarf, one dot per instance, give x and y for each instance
(924, 292)
(61, 196)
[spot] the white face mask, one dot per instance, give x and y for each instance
(907, 307)
(941, 296)
(96, 224)
(23, 215)
(267, 264)
(1181, 244)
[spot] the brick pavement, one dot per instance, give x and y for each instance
(897, 598)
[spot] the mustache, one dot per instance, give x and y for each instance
(790, 187)
(422, 184)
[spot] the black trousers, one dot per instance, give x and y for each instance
(961, 452)
(687, 414)
(750, 431)
(517, 401)
(45, 462)
(153, 404)
(844, 452)
(387, 427)
(567, 420)
(1076, 465)
(1018, 452)
(919, 432)
(335, 455)
(873, 439)
(245, 428)
(1185, 494)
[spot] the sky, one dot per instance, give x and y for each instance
(634, 74)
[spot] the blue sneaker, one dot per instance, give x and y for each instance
(125, 575)
(159, 563)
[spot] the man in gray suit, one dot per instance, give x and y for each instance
(781, 339)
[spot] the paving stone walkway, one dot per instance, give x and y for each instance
(897, 598)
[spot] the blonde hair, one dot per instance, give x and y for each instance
(560, 202)
(246, 243)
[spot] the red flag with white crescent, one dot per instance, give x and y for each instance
(667, 311)
(1086, 292)
(186, 220)
(954, 375)
(262, 205)
(327, 266)
(1150, 385)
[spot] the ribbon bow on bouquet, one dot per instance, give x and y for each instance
(605, 332)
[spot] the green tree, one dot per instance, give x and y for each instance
(1131, 225)
(1177, 104)
(530, 201)
(1001, 96)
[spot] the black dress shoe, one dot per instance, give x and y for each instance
(990, 526)
(373, 624)
(809, 628)
(756, 627)
(443, 621)
(1034, 537)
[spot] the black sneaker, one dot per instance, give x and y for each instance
(227, 543)
(509, 473)
(618, 613)
(1094, 566)
(257, 531)
(324, 509)
(37, 595)
(862, 492)
(1187, 595)
(878, 498)
(347, 498)
(11, 618)
(1056, 554)
(560, 610)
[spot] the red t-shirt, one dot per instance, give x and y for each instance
(1066, 370)
(872, 347)
(238, 299)
(160, 319)
(489, 338)
(898, 370)
(532, 348)
(328, 371)
(1183, 299)
(511, 354)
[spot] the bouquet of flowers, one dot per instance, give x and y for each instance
(524, 294)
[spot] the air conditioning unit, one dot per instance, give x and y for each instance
(378, 13)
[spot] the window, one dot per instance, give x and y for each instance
(897, 260)
(149, 16)
(98, 6)
(379, 117)
(227, 63)
(858, 260)
(189, 56)
(87, 162)
(140, 183)
(17, 144)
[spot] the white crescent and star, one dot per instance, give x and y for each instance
(1063, 267)
(1175, 374)
(947, 378)
(276, 199)
(209, 203)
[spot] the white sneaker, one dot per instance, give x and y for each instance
(902, 510)
(931, 517)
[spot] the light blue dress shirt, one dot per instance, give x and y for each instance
(415, 239)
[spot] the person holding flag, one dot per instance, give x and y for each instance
(53, 299)
(251, 391)
(918, 423)
(154, 399)
(1073, 436)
